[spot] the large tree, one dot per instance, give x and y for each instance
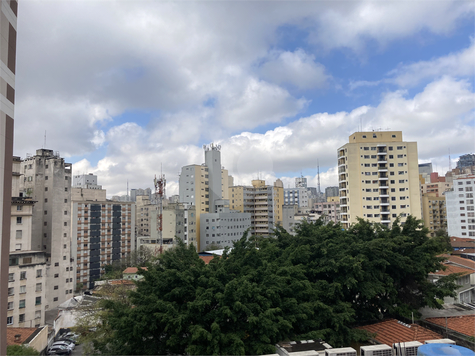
(313, 285)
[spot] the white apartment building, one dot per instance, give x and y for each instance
(460, 207)
(26, 271)
(378, 178)
(47, 180)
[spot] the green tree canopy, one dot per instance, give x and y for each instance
(316, 284)
(21, 350)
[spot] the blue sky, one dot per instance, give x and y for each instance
(122, 87)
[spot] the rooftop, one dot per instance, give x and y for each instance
(465, 262)
(206, 259)
(464, 324)
(17, 336)
(462, 242)
(134, 269)
(452, 269)
(393, 331)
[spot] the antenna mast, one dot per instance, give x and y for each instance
(159, 194)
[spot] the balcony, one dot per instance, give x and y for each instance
(385, 221)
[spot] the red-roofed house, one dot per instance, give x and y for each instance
(393, 331)
(36, 338)
(131, 273)
(464, 324)
(466, 291)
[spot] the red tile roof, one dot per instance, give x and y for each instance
(23, 332)
(207, 259)
(462, 242)
(463, 250)
(464, 324)
(121, 281)
(452, 269)
(391, 331)
(134, 269)
(460, 261)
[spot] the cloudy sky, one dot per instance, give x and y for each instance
(125, 87)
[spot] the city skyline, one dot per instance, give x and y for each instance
(277, 85)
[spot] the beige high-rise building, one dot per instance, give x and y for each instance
(378, 177)
(434, 212)
(8, 31)
(201, 185)
(263, 202)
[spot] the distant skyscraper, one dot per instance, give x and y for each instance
(8, 31)
(467, 160)
(331, 192)
(378, 178)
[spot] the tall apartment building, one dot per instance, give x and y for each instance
(434, 212)
(102, 231)
(26, 272)
(134, 193)
(297, 196)
(8, 30)
(263, 202)
(460, 207)
(378, 178)
(47, 180)
(330, 210)
(202, 185)
(435, 184)
(144, 212)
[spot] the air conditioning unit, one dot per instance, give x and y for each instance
(376, 350)
(344, 351)
(406, 348)
(440, 341)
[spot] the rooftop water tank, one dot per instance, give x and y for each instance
(443, 349)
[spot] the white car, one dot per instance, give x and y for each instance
(69, 345)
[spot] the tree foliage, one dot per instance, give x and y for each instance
(21, 350)
(317, 284)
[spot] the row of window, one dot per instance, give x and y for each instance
(376, 156)
(374, 148)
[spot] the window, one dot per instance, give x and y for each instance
(22, 275)
(22, 289)
(400, 172)
(19, 234)
(391, 165)
(400, 164)
(399, 147)
(10, 305)
(55, 287)
(65, 212)
(11, 277)
(46, 189)
(390, 148)
(38, 314)
(56, 275)
(46, 177)
(39, 287)
(55, 299)
(391, 156)
(65, 223)
(391, 173)
(22, 303)
(400, 156)
(13, 261)
(37, 300)
(18, 220)
(392, 181)
(9, 320)
(39, 273)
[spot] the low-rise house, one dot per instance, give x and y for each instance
(463, 324)
(131, 273)
(392, 331)
(36, 338)
(466, 290)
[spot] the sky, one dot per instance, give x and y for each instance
(129, 89)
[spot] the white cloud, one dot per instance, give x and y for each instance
(296, 68)
(459, 64)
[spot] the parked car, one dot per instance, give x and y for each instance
(68, 344)
(59, 350)
(68, 339)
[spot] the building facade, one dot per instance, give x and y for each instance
(378, 178)
(329, 211)
(263, 202)
(102, 232)
(331, 192)
(301, 182)
(26, 272)
(434, 212)
(223, 227)
(8, 31)
(460, 207)
(297, 196)
(47, 180)
(202, 185)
